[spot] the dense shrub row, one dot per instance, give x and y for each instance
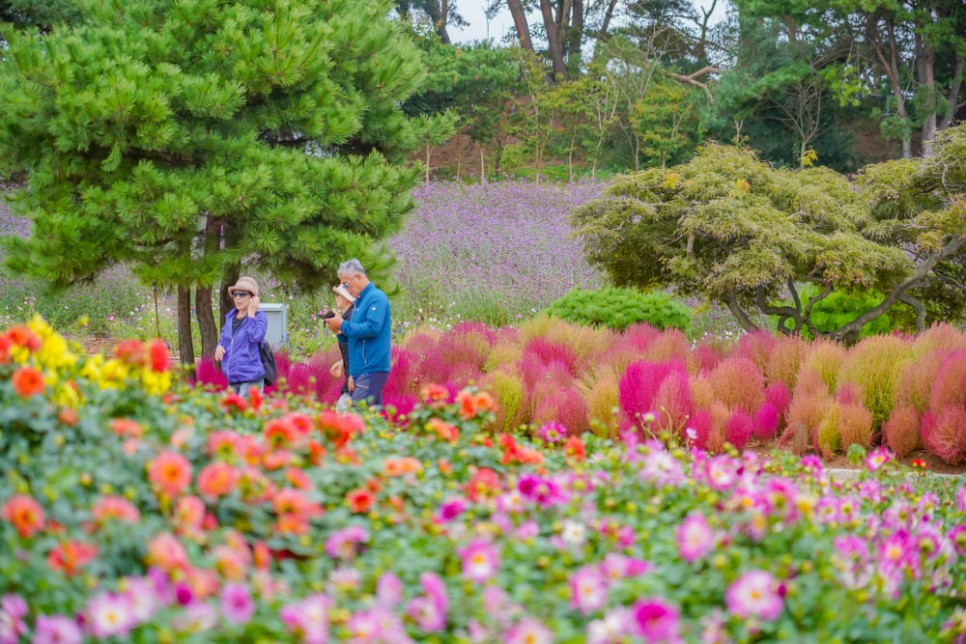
(618, 308)
(907, 392)
(127, 515)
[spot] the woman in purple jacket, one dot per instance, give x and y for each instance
(241, 336)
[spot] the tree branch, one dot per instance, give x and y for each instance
(692, 79)
(853, 327)
(920, 310)
(732, 303)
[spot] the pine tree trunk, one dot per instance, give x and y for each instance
(553, 41)
(206, 321)
(928, 80)
(185, 346)
(520, 22)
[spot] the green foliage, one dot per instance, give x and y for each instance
(840, 308)
(668, 123)
(619, 308)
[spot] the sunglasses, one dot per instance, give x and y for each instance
(240, 294)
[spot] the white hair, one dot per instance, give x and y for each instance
(352, 267)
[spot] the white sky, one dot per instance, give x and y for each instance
(482, 29)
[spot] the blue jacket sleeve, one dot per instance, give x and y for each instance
(225, 334)
(377, 316)
(259, 327)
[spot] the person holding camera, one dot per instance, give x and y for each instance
(369, 333)
(238, 350)
(344, 301)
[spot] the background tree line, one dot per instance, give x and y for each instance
(625, 84)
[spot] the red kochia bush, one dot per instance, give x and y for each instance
(672, 402)
(757, 347)
(738, 429)
(706, 357)
(639, 385)
(901, 431)
(766, 422)
(549, 353)
(738, 383)
(561, 404)
(779, 396)
(945, 434)
(701, 424)
(404, 377)
(949, 388)
(208, 373)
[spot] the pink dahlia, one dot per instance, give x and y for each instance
(755, 594)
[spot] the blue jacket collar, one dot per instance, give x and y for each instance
(362, 294)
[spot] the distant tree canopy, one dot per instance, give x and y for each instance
(745, 234)
(192, 138)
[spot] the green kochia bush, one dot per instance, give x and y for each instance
(619, 308)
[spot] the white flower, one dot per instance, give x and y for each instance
(574, 533)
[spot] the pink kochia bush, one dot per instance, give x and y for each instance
(756, 390)
(190, 515)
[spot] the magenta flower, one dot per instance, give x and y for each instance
(721, 472)
(552, 433)
(528, 631)
(617, 566)
(343, 544)
(429, 610)
(896, 551)
(142, 593)
(755, 594)
(695, 537)
(958, 538)
(13, 609)
(661, 468)
(615, 627)
(545, 492)
(55, 629)
(236, 604)
(588, 589)
(388, 590)
(109, 615)
(877, 458)
(364, 627)
(480, 560)
(657, 621)
(308, 618)
(451, 509)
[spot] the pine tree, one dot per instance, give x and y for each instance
(190, 139)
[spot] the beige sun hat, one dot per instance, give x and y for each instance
(244, 284)
(344, 292)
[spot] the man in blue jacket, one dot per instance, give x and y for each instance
(369, 333)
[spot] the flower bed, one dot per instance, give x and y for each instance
(906, 392)
(159, 515)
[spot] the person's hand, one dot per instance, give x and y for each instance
(253, 306)
(219, 353)
(336, 370)
(335, 322)
(351, 385)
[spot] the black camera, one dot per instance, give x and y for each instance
(328, 315)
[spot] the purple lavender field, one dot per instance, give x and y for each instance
(491, 252)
